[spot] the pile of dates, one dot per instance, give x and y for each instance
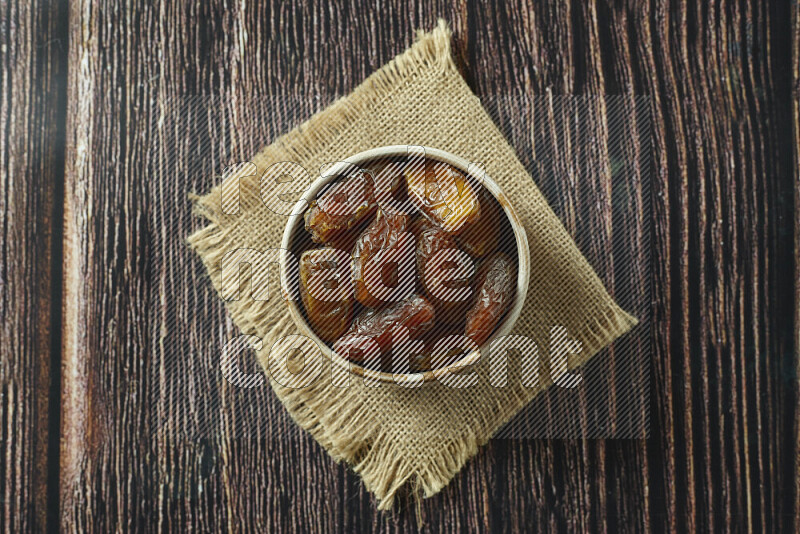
(406, 260)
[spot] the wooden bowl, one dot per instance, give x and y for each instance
(296, 224)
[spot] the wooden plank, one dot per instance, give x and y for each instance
(33, 42)
(794, 522)
(103, 448)
(721, 161)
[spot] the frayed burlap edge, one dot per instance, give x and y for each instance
(332, 419)
(384, 473)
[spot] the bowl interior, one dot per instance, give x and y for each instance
(513, 241)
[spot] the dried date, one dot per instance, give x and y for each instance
(341, 207)
(480, 237)
(373, 328)
(384, 243)
(494, 292)
(326, 292)
(442, 194)
(444, 270)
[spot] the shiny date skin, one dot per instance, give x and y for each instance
(481, 236)
(325, 291)
(433, 240)
(372, 329)
(341, 207)
(494, 292)
(387, 233)
(442, 194)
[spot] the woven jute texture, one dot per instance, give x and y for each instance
(397, 437)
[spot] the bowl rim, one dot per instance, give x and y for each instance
(523, 262)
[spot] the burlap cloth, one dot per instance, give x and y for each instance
(394, 436)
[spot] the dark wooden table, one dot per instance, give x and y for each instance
(81, 85)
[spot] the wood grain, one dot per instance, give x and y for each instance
(32, 111)
(795, 96)
(724, 441)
